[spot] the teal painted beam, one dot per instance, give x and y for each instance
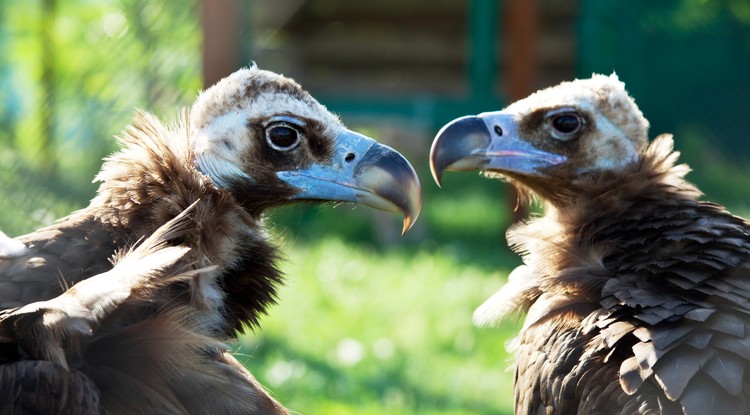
(482, 24)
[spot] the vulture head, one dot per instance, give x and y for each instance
(266, 140)
(552, 142)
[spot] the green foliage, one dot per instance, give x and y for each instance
(686, 62)
(723, 179)
(105, 58)
(26, 203)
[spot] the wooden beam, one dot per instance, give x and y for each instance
(521, 38)
(221, 39)
(520, 57)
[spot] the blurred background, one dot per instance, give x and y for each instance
(369, 322)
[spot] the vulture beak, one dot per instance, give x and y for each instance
(488, 141)
(362, 171)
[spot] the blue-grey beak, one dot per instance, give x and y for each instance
(362, 171)
(488, 141)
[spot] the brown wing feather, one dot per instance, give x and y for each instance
(103, 340)
(43, 329)
(40, 387)
(165, 365)
(56, 257)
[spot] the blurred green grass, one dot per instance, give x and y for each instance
(368, 327)
(369, 332)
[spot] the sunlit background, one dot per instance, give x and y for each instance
(369, 322)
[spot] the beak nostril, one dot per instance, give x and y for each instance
(349, 157)
(498, 131)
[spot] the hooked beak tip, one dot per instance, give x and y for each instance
(411, 208)
(408, 223)
(457, 145)
(392, 184)
(411, 215)
(437, 173)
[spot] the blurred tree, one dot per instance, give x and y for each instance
(687, 63)
(49, 87)
(72, 72)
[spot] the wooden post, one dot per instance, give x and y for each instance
(521, 39)
(221, 39)
(521, 36)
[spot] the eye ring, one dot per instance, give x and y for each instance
(283, 136)
(565, 125)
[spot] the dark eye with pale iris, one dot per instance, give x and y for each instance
(282, 137)
(565, 125)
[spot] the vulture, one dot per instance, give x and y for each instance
(636, 293)
(125, 305)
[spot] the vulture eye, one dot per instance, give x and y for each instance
(282, 137)
(565, 125)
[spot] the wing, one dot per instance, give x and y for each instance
(164, 365)
(34, 386)
(685, 330)
(671, 332)
(556, 369)
(40, 265)
(41, 330)
(693, 346)
(111, 342)
(222, 375)
(40, 387)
